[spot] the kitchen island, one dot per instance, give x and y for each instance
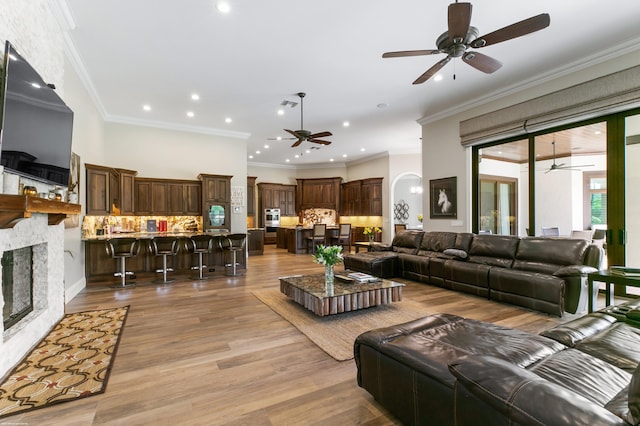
(294, 238)
(99, 266)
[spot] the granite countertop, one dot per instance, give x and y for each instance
(150, 235)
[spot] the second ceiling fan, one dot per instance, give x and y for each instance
(461, 36)
(305, 135)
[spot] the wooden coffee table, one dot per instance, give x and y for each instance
(310, 291)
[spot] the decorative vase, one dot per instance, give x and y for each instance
(328, 275)
(371, 237)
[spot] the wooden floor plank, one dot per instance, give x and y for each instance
(210, 353)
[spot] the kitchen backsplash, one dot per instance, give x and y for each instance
(124, 224)
(312, 216)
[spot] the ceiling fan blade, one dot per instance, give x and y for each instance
(431, 71)
(482, 62)
(518, 29)
(293, 133)
(281, 139)
(576, 167)
(296, 143)
(321, 142)
(459, 18)
(409, 53)
(320, 135)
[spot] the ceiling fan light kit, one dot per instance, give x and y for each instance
(461, 36)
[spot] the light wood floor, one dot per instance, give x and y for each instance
(209, 353)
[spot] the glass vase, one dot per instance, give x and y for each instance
(328, 275)
(371, 237)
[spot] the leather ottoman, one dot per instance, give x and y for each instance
(379, 263)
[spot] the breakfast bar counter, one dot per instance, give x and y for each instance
(100, 267)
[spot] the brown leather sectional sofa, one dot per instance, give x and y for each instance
(544, 274)
(446, 370)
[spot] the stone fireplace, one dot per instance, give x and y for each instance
(43, 243)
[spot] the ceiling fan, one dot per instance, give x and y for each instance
(305, 135)
(554, 166)
(461, 36)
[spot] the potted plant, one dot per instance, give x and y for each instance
(329, 256)
(371, 231)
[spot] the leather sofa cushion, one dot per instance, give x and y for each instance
(585, 375)
(522, 396)
(575, 331)
(546, 255)
(529, 284)
(619, 345)
(438, 241)
(475, 274)
(495, 250)
(407, 241)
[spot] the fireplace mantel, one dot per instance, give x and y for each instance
(14, 208)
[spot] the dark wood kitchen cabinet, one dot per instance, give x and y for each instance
(216, 201)
(322, 193)
(109, 190)
(276, 196)
(362, 197)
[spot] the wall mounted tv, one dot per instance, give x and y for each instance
(37, 125)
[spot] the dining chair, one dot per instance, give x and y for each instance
(550, 232)
(317, 237)
(344, 237)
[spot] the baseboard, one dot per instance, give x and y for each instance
(71, 291)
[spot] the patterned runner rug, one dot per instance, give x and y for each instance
(73, 361)
(335, 334)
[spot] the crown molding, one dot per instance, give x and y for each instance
(177, 127)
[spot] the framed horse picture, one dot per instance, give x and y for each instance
(443, 198)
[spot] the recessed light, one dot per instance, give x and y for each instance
(437, 77)
(279, 138)
(344, 155)
(251, 156)
(308, 151)
(228, 120)
(362, 149)
(345, 124)
(296, 156)
(258, 152)
(280, 112)
(146, 107)
(331, 160)
(223, 7)
(287, 160)
(195, 97)
(598, 132)
(190, 114)
(266, 147)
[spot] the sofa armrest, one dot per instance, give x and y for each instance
(574, 270)
(525, 398)
(381, 247)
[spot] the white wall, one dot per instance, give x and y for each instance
(283, 175)
(161, 153)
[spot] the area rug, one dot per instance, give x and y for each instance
(335, 334)
(73, 361)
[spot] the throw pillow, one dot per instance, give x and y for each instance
(460, 254)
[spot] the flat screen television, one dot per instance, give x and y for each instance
(35, 140)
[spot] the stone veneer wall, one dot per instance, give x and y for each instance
(48, 286)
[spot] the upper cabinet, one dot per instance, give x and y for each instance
(216, 201)
(109, 191)
(323, 193)
(277, 196)
(251, 195)
(362, 197)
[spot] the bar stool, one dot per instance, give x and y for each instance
(122, 249)
(318, 236)
(234, 244)
(164, 246)
(201, 245)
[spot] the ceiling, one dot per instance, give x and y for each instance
(245, 63)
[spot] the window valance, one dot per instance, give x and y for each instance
(609, 94)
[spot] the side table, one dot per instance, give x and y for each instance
(609, 279)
